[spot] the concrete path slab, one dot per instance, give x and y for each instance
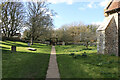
(53, 71)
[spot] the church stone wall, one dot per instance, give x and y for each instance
(101, 42)
(119, 34)
(111, 37)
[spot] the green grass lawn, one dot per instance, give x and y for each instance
(24, 63)
(93, 66)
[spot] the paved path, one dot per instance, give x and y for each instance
(53, 71)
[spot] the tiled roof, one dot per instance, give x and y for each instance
(114, 5)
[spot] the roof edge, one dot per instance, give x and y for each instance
(114, 10)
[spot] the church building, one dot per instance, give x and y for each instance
(108, 32)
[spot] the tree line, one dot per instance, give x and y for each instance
(76, 33)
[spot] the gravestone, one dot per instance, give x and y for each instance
(28, 44)
(32, 49)
(108, 31)
(63, 43)
(13, 48)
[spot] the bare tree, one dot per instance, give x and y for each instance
(12, 16)
(39, 20)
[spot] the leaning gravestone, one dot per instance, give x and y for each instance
(13, 48)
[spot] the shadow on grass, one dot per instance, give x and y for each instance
(5, 48)
(36, 45)
(4, 51)
(91, 66)
(24, 64)
(16, 44)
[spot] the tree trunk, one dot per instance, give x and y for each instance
(8, 35)
(87, 45)
(32, 41)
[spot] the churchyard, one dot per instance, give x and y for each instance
(74, 61)
(32, 47)
(24, 63)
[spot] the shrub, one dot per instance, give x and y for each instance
(113, 54)
(72, 54)
(84, 54)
